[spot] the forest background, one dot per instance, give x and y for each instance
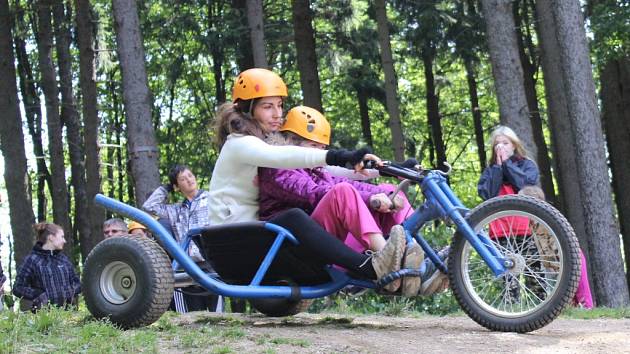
(103, 96)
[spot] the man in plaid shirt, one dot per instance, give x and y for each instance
(191, 213)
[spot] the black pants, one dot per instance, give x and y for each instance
(320, 246)
(193, 299)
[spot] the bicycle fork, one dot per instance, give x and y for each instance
(442, 202)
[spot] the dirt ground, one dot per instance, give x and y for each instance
(332, 333)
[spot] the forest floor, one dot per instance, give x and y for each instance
(337, 333)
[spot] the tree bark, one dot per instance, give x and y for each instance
(216, 50)
(433, 109)
(476, 112)
(615, 94)
(611, 288)
(12, 144)
(257, 32)
(91, 121)
(33, 113)
(141, 142)
(244, 56)
(391, 83)
(55, 135)
(507, 70)
(306, 54)
(364, 112)
(70, 118)
(529, 81)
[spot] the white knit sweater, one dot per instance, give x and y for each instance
(234, 183)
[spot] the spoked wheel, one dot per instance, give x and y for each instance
(128, 280)
(544, 265)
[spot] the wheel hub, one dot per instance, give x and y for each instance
(118, 282)
(517, 264)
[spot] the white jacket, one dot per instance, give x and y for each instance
(234, 184)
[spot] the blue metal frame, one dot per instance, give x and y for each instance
(440, 202)
(175, 250)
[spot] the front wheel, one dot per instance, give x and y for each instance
(129, 280)
(543, 252)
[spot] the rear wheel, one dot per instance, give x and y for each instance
(280, 307)
(128, 280)
(545, 265)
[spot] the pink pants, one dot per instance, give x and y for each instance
(583, 296)
(343, 212)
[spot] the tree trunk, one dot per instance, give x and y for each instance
(306, 54)
(87, 80)
(615, 94)
(257, 32)
(563, 141)
(55, 128)
(33, 113)
(70, 117)
(244, 56)
(611, 288)
(529, 81)
(391, 83)
(364, 112)
(507, 70)
(12, 144)
(216, 51)
(433, 110)
(476, 111)
(141, 141)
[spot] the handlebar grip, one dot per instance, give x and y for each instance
(369, 164)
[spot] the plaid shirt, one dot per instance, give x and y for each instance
(182, 216)
(47, 276)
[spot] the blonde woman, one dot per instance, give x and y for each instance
(509, 168)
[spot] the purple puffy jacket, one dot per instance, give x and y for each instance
(300, 188)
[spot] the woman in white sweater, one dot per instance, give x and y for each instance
(240, 127)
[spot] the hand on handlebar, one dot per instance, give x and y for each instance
(381, 203)
(369, 161)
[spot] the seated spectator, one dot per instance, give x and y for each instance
(191, 212)
(114, 227)
(583, 296)
(136, 228)
(46, 274)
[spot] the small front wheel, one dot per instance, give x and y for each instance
(129, 280)
(542, 251)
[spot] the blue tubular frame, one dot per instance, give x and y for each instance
(339, 278)
(435, 187)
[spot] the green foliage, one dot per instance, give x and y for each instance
(610, 22)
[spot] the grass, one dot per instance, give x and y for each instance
(54, 330)
(596, 313)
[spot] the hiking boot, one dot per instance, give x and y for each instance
(389, 258)
(433, 280)
(414, 255)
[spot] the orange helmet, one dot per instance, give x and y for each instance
(308, 123)
(136, 225)
(256, 83)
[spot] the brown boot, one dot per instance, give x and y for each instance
(414, 255)
(389, 258)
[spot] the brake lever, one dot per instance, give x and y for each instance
(448, 171)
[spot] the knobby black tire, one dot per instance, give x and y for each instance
(134, 266)
(565, 288)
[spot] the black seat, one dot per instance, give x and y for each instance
(236, 251)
